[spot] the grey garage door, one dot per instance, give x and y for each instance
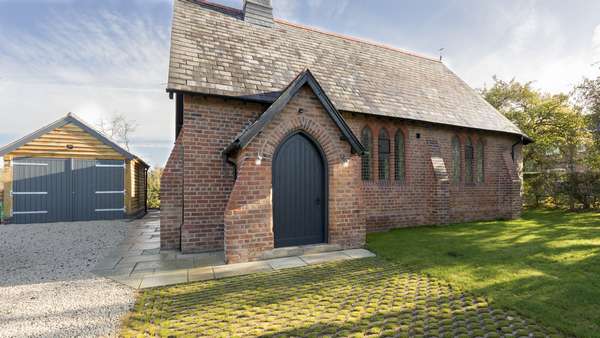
(57, 190)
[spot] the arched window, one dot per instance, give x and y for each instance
(469, 161)
(384, 155)
(399, 168)
(479, 154)
(455, 159)
(366, 138)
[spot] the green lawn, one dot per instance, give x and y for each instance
(545, 265)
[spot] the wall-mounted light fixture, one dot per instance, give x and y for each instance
(258, 160)
(345, 161)
(70, 146)
(300, 110)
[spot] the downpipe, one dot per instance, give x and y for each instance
(512, 150)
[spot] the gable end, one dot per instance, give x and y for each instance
(56, 139)
(304, 78)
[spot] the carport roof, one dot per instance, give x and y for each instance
(74, 119)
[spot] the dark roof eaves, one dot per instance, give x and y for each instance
(30, 137)
(259, 98)
(268, 100)
(348, 134)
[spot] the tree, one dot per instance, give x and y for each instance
(559, 128)
(587, 97)
(118, 128)
(154, 187)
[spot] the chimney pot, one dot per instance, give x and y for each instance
(258, 12)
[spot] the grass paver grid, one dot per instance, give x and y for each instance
(545, 265)
(361, 298)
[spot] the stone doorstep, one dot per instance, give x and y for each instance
(286, 262)
(325, 257)
(150, 279)
(293, 251)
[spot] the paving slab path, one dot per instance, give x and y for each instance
(139, 263)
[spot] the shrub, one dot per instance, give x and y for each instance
(154, 188)
(562, 190)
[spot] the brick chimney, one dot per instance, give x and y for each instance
(258, 12)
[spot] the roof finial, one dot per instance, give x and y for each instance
(441, 50)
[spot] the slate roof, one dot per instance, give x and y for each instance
(70, 118)
(213, 51)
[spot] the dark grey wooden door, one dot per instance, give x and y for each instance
(299, 192)
(84, 187)
(107, 177)
(41, 190)
(59, 190)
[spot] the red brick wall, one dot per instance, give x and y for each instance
(221, 212)
(171, 185)
(210, 124)
(425, 192)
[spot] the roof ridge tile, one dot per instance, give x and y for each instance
(356, 39)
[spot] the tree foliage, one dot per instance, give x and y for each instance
(554, 164)
(587, 97)
(154, 187)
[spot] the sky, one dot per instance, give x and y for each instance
(101, 58)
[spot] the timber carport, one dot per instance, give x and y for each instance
(68, 171)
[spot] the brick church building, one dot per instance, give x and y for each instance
(289, 136)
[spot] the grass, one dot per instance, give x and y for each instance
(545, 266)
(360, 298)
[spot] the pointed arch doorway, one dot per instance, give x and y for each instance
(299, 192)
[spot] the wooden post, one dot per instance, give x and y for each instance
(7, 177)
(128, 191)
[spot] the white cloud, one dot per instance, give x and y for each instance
(535, 48)
(596, 44)
(93, 65)
(332, 9)
(285, 9)
(524, 32)
(292, 9)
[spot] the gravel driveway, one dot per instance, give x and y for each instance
(46, 288)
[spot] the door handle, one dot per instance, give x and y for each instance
(318, 201)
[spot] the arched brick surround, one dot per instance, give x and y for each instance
(249, 215)
(312, 128)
